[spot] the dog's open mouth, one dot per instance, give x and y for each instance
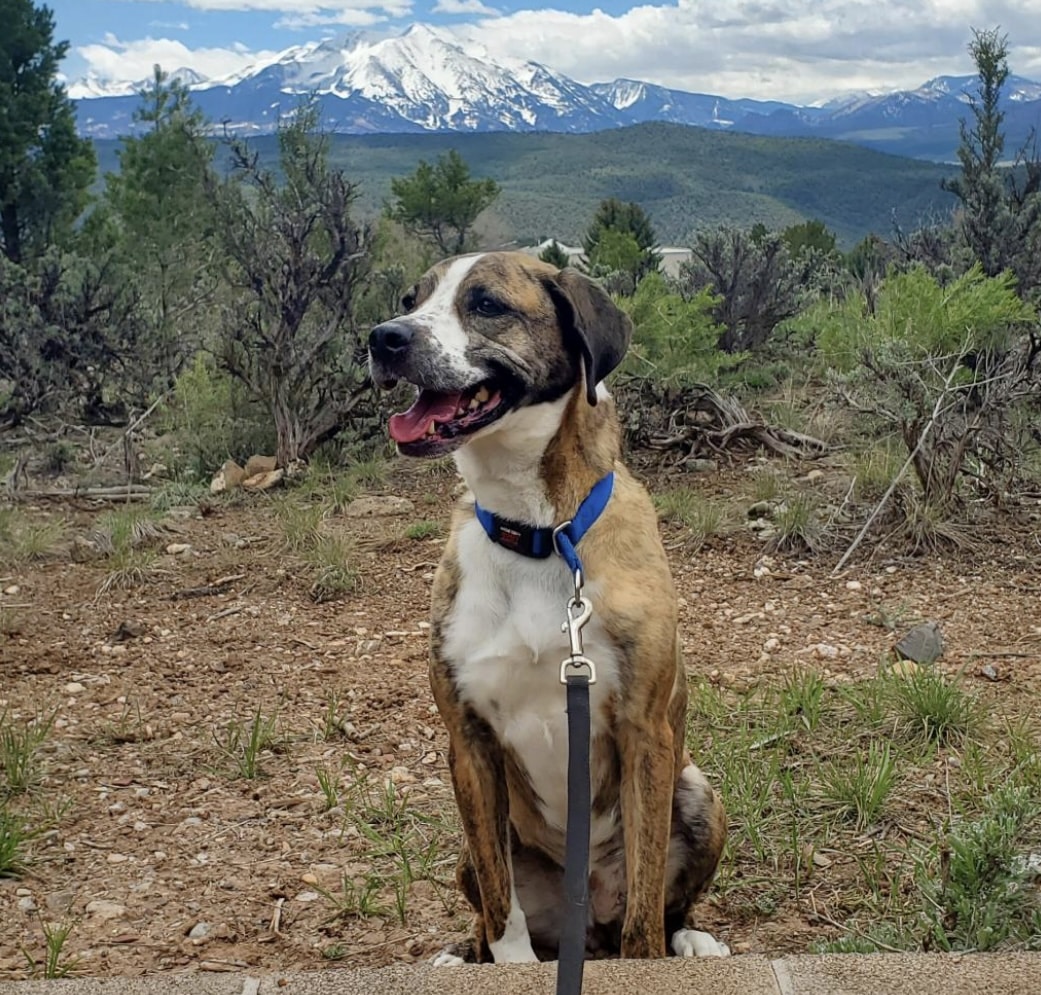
(438, 421)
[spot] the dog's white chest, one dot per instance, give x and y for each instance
(505, 643)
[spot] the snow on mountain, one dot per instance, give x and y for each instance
(427, 79)
(92, 86)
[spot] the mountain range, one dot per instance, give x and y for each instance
(428, 80)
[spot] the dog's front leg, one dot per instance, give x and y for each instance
(647, 769)
(479, 780)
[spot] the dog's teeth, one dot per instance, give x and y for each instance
(431, 429)
(474, 403)
(482, 395)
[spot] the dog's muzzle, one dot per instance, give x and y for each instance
(388, 350)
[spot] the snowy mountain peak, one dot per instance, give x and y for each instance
(431, 79)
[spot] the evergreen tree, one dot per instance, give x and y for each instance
(45, 169)
(440, 202)
(555, 255)
(161, 220)
(1001, 208)
(607, 252)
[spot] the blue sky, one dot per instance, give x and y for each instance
(785, 49)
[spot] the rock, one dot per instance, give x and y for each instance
(227, 478)
(854, 585)
(372, 506)
(923, 644)
(127, 630)
(156, 470)
(813, 476)
(762, 509)
(260, 464)
(27, 904)
(701, 465)
(199, 931)
(102, 909)
(904, 668)
(13, 589)
(178, 548)
(263, 481)
(59, 902)
(989, 671)
(309, 878)
(307, 896)
(74, 687)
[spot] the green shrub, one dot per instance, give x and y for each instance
(213, 420)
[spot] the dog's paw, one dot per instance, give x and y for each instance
(694, 943)
(446, 959)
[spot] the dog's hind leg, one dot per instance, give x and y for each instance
(695, 847)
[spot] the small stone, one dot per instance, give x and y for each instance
(27, 904)
(13, 589)
(178, 548)
(813, 476)
(989, 671)
(102, 909)
(199, 931)
(854, 585)
(309, 878)
(923, 644)
(307, 896)
(74, 687)
(402, 775)
(904, 668)
(771, 645)
(371, 506)
(762, 509)
(117, 858)
(701, 465)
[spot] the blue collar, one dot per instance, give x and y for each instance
(541, 543)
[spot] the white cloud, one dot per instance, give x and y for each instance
(318, 8)
(170, 25)
(113, 59)
(780, 49)
(463, 7)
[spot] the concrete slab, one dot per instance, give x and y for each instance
(736, 976)
(162, 984)
(892, 974)
(904, 974)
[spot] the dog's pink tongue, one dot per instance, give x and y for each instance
(411, 425)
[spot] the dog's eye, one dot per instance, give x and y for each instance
(408, 302)
(487, 306)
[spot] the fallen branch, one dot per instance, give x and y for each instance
(220, 586)
(122, 492)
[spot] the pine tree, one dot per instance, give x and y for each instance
(45, 169)
(440, 202)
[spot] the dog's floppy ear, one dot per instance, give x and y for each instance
(602, 329)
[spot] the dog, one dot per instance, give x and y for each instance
(508, 355)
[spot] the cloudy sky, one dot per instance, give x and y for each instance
(784, 49)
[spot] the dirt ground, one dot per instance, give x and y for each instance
(166, 859)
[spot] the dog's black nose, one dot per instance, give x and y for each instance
(390, 341)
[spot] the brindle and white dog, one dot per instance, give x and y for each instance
(508, 355)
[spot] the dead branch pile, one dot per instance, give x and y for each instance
(698, 422)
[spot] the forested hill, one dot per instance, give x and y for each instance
(686, 178)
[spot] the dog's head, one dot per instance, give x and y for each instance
(486, 334)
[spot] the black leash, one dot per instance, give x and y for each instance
(572, 953)
(578, 672)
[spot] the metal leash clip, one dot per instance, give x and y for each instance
(579, 612)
